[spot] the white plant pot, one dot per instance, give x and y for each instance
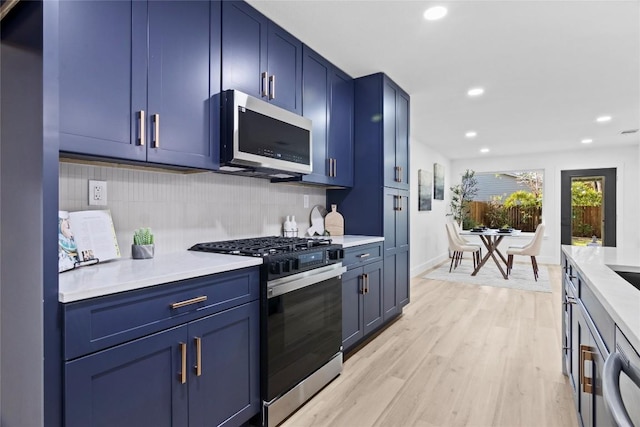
(142, 251)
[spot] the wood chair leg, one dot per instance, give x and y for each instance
(509, 264)
(534, 264)
(453, 257)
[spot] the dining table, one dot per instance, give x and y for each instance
(491, 238)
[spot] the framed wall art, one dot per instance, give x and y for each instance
(438, 181)
(425, 190)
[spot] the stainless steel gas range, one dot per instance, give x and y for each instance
(301, 317)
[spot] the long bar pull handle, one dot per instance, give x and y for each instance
(400, 203)
(198, 342)
(272, 87)
(364, 286)
(364, 255)
(335, 168)
(366, 279)
(395, 203)
(188, 302)
(183, 363)
(587, 383)
(330, 167)
(399, 173)
(265, 85)
(570, 300)
(141, 136)
(156, 131)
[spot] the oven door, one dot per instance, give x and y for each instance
(304, 326)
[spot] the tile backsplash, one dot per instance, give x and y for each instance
(183, 209)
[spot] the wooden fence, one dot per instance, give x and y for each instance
(587, 220)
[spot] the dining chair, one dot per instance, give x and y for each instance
(458, 249)
(462, 240)
(531, 249)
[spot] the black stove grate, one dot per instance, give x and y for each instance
(261, 246)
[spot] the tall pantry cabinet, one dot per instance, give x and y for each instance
(378, 203)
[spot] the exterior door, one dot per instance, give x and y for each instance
(608, 177)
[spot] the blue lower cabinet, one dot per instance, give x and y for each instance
(130, 385)
(203, 373)
(224, 387)
(361, 303)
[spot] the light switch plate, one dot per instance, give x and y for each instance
(97, 193)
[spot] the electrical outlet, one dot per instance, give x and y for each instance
(305, 200)
(97, 193)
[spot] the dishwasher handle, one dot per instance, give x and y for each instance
(615, 364)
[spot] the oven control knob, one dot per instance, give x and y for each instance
(336, 254)
(275, 267)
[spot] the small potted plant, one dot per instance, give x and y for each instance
(143, 247)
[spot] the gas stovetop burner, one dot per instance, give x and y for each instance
(261, 246)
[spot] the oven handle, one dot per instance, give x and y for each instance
(301, 280)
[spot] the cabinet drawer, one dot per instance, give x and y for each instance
(102, 322)
(603, 322)
(360, 255)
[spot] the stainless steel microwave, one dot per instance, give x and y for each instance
(259, 138)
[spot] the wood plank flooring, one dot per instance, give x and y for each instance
(460, 355)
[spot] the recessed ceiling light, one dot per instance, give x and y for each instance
(587, 141)
(471, 134)
(435, 13)
(476, 91)
(484, 150)
(603, 119)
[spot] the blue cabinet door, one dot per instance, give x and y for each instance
(224, 385)
(316, 98)
(130, 385)
(103, 77)
(402, 278)
(340, 141)
(183, 49)
(285, 69)
(244, 49)
(352, 316)
(373, 311)
(395, 121)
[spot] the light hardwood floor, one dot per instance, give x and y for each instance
(460, 355)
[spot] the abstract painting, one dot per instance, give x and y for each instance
(425, 190)
(438, 181)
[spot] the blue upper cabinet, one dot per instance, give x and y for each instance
(340, 144)
(395, 121)
(103, 77)
(327, 99)
(259, 58)
(183, 50)
(137, 80)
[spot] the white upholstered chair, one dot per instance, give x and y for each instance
(531, 249)
(458, 248)
(462, 240)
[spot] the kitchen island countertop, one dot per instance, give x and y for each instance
(129, 274)
(596, 266)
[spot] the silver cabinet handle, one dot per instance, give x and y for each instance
(272, 87)
(363, 255)
(335, 168)
(141, 136)
(156, 131)
(265, 86)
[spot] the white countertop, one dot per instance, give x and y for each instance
(129, 274)
(349, 241)
(618, 297)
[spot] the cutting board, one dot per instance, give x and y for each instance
(334, 222)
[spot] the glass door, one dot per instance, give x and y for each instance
(587, 213)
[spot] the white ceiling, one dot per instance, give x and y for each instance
(549, 68)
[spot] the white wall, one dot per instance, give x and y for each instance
(428, 240)
(625, 159)
(183, 209)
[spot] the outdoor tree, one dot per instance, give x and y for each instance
(584, 194)
(533, 180)
(462, 195)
